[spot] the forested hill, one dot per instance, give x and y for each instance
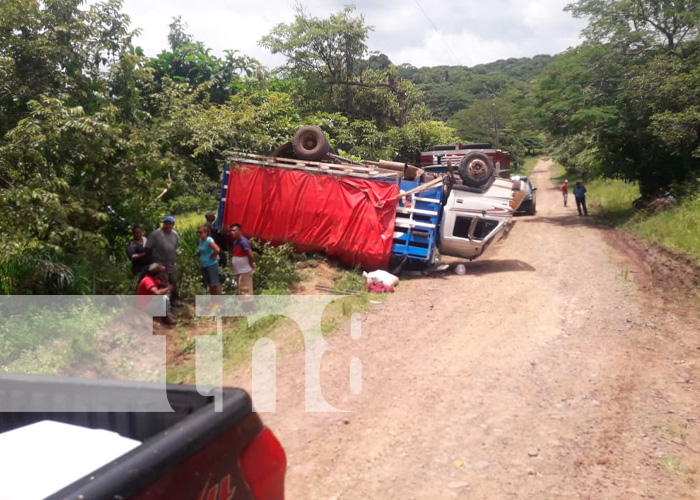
(450, 89)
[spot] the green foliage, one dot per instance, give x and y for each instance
(192, 63)
(628, 107)
(636, 26)
(612, 199)
(190, 276)
(449, 89)
(95, 137)
(678, 229)
(349, 280)
(277, 270)
(50, 342)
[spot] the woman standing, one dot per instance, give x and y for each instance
(208, 252)
(136, 251)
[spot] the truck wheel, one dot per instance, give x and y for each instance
(283, 151)
(476, 169)
(310, 143)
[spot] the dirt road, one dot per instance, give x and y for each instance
(544, 372)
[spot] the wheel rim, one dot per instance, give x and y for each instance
(477, 168)
(309, 142)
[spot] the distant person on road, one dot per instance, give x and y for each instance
(580, 195)
(243, 260)
(162, 245)
(136, 251)
(565, 191)
(208, 252)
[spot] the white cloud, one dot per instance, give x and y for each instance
(470, 31)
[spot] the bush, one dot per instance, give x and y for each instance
(190, 280)
(26, 271)
(277, 268)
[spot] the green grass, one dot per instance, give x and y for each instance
(612, 199)
(50, 342)
(678, 229)
(671, 464)
(349, 281)
(529, 164)
(191, 220)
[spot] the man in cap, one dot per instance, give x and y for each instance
(162, 245)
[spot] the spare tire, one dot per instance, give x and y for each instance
(283, 151)
(310, 143)
(476, 169)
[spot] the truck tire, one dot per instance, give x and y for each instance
(310, 143)
(283, 151)
(476, 169)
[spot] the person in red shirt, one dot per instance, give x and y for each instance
(151, 285)
(565, 191)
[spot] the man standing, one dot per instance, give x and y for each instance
(580, 195)
(243, 261)
(565, 191)
(162, 245)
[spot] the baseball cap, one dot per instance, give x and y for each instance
(169, 218)
(208, 213)
(154, 267)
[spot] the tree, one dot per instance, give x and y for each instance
(640, 25)
(329, 58)
(54, 48)
(330, 49)
(627, 107)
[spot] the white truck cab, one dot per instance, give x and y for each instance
(473, 219)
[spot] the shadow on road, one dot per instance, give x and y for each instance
(494, 266)
(476, 268)
(562, 220)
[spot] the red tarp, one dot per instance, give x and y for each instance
(346, 218)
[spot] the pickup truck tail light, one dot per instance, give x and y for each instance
(263, 464)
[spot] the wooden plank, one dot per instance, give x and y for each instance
(423, 187)
(324, 288)
(326, 168)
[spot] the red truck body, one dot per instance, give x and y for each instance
(439, 156)
(347, 218)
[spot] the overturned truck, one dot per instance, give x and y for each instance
(372, 215)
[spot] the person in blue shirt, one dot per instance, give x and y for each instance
(208, 252)
(580, 195)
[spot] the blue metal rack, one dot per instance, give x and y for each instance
(222, 199)
(416, 226)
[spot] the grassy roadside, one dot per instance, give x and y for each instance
(529, 164)
(611, 200)
(239, 337)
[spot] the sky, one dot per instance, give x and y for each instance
(469, 32)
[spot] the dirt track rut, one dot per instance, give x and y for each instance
(541, 373)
